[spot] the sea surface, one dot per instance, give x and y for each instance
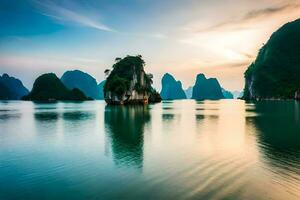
(227, 149)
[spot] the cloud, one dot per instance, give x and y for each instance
(241, 22)
(67, 15)
(268, 11)
(233, 65)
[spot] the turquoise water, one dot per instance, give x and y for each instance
(224, 149)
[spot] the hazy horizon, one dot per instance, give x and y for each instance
(184, 38)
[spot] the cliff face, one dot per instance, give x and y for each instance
(276, 71)
(207, 88)
(83, 81)
(171, 89)
(11, 88)
(48, 87)
(128, 82)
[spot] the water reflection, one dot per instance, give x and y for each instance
(46, 116)
(78, 115)
(279, 140)
(167, 117)
(227, 149)
(125, 128)
(8, 115)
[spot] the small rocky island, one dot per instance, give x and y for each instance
(48, 87)
(207, 88)
(171, 89)
(128, 83)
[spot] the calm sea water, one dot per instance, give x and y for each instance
(224, 149)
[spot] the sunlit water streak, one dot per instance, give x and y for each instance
(226, 149)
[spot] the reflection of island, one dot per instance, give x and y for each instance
(46, 116)
(278, 134)
(46, 122)
(125, 128)
(78, 115)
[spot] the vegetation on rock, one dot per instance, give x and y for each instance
(49, 87)
(127, 81)
(276, 70)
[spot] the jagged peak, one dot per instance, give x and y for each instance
(168, 77)
(201, 76)
(179, 83)
(5, 75)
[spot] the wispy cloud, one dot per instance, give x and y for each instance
(267, 11)
(241, 22)
(63, 14)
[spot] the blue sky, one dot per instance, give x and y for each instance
(183, 37)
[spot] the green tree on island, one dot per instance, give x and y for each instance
(129, 82)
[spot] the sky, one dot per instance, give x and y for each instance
(219, 38)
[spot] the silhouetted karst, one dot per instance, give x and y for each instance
(49, 87)
(276, 70)
(128, 83)
(171, 89)
(101, 88)
(189, 92)
(227, 94)
(11, 88)
(83, 81)
(207, 88)
(4, 92)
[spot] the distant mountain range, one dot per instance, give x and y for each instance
(84, 82)
(81, 82)
(45, 85)
(11, 88)
(171, 89)
(203, 89)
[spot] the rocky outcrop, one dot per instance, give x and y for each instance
(83, 81)
(207, 88)
(275, 74)
(128, 83)
(171, 89)
(48, 87)
(11, 88)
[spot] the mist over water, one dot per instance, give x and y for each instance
(227, 149)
